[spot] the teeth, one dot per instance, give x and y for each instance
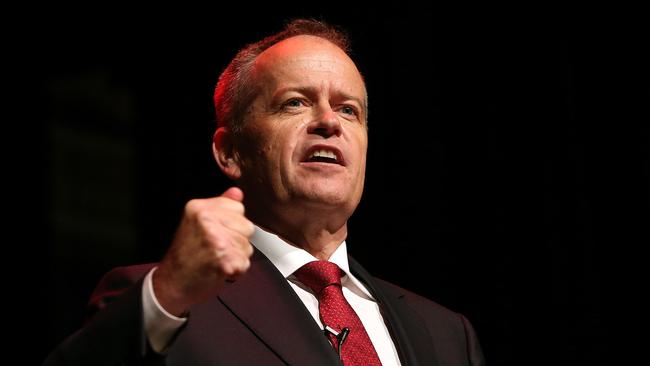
(323, 154)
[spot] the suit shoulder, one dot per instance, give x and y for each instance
(449, 328)
(132, 272)
(415, 299)
(431, 313)
(115, 282)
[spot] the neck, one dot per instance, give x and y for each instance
(320, 236)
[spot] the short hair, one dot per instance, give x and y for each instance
(233, 93)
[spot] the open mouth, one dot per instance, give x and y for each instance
(324, 154)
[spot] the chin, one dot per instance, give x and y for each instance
(328, 198)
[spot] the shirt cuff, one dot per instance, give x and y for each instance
(160, 326)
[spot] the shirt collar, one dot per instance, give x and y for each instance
(288, 258)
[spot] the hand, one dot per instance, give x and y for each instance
(210, 246)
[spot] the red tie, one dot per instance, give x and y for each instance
(324, 278)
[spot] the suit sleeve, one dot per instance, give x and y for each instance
(115, 334)
(474, 352)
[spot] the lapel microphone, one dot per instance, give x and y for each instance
(340, 336)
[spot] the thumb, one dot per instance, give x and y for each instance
(234, 193)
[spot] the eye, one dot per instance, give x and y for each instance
(293, 103)
(348, 110)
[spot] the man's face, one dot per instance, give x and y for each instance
(305, 137)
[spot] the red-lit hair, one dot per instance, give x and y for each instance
(235, 90)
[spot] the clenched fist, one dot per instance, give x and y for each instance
(210, 245)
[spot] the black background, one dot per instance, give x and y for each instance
(508, 170)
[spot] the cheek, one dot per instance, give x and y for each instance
(263, 152)
(362, 151)
(255, 154)
(284, 147)
(362, 148)
(271, 154)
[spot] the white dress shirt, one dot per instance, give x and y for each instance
(161, 326)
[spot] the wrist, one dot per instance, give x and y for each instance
(169, 297)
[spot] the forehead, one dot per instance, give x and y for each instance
(308, 59)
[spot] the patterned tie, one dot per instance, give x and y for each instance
(324, 278)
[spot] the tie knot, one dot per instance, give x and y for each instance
(319, 274)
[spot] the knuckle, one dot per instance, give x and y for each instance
(203, 216)
(197, 211)
(233, 265)
(241, 266)
(218, 240)
(212, 239)
(240, 207)
(192, 206)
(249, 228)
(245, 265)
(245, 248)
(232, 205)
(226, 269)
(222, 258)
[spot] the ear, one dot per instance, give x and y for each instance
(224, 153)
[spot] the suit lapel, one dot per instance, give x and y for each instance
(411, 338)
(266, 303)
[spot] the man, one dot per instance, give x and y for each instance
(292, 135)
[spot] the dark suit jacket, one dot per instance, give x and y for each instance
(259, 320)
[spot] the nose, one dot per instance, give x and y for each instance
(326, 123)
